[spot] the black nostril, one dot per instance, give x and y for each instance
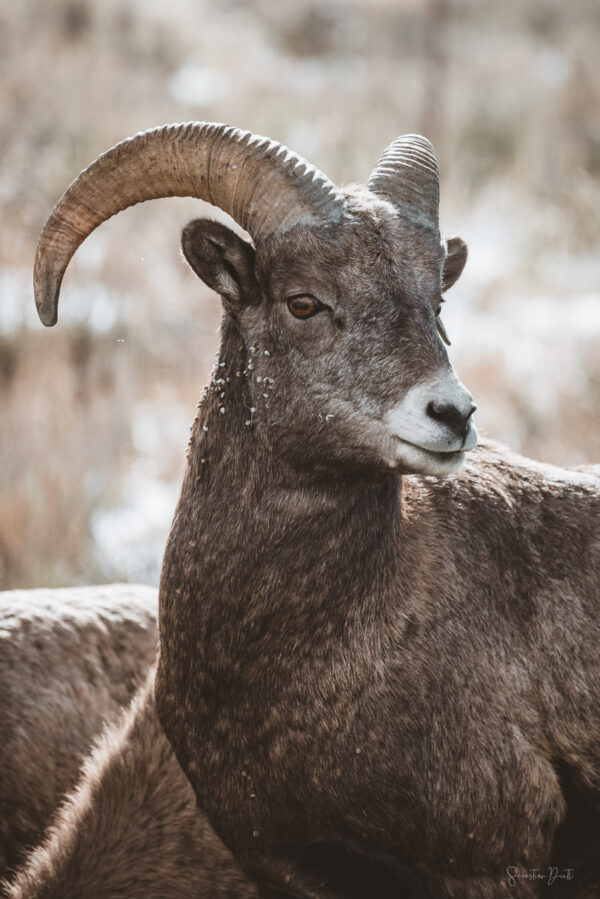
(451, 416)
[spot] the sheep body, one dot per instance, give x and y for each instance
(69, 661)
(131, 828)
(405, 668)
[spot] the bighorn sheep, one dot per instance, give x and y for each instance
(130, 827)
(69, 661)
(371, 675)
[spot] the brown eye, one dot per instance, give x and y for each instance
(303, 307)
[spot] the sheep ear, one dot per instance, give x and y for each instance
(222, 259)
(455, 261)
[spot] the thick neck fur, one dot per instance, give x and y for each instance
(289, 548)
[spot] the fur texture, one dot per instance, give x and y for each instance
(69, 661)
(131, 828)
(378, 683)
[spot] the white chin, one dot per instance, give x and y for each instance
(412, 459)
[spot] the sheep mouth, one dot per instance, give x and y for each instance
(416, 459)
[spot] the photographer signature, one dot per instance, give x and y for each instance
(549, 875)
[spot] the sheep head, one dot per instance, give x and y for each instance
(336, 299)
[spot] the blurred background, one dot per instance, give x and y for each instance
(95, 414)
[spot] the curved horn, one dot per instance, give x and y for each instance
(407, 175)
(265, 187)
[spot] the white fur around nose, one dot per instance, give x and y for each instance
(409, 420)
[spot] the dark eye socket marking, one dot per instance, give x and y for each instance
(304, 306)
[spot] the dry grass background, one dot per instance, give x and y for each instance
(94, 414)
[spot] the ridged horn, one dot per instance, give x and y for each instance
(265, 187)
(407, 175)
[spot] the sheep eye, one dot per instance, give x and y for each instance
(303, 306)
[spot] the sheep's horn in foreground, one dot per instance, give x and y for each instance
(265, 187)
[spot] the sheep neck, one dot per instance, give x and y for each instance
(258, 549)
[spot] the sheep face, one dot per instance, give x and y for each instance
(345, 366)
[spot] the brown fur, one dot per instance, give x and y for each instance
(131, 827)
(379, 684)
(69, 661)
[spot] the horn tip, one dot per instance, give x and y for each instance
(46, 302)
(47, 279)
(48, 316)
